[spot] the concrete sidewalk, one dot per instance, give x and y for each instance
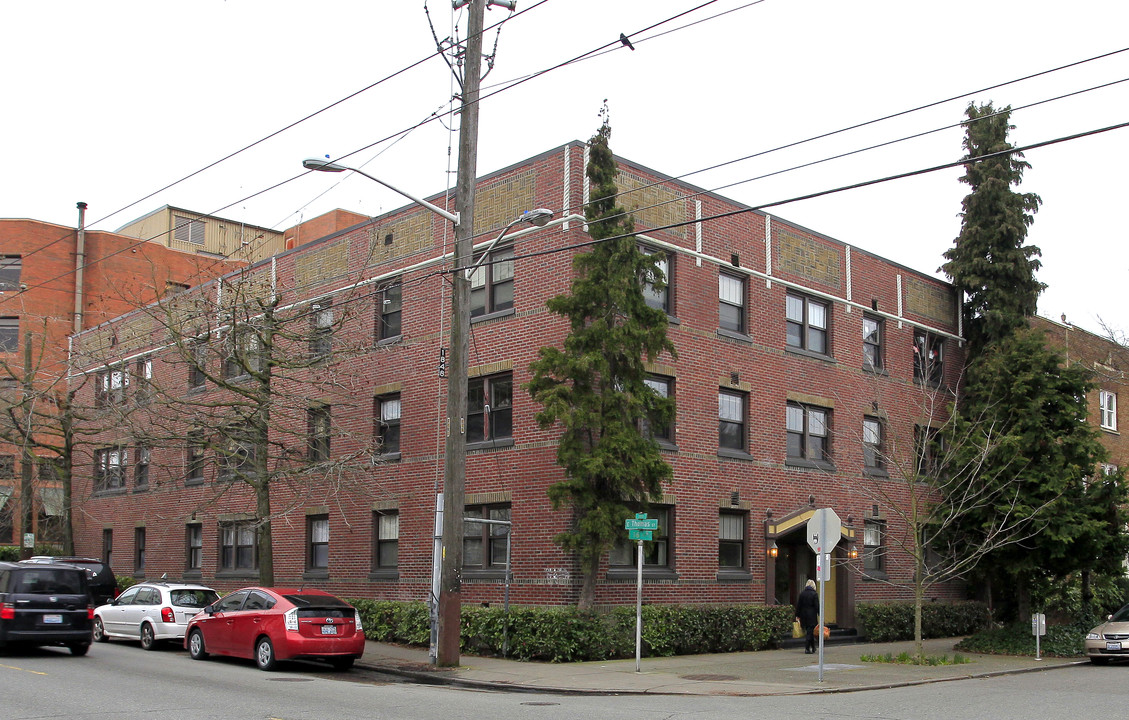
(769, 672)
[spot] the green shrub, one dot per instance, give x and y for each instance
(9, 553)
(1016, 639)
(125, 581)
(887, 622)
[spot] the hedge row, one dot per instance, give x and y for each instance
(556, 634)
(887, 622)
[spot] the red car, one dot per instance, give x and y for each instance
(272, 624)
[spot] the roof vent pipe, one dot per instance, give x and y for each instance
(79, 265)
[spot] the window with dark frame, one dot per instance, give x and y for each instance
(138, 550)
(663, 387)
(490, 408)
(655, 297)
(872, 336)
(317, 542)
(873, 455)
(874, 552)
(492, 282)
(807, 324)
(928, 447)
(388, 424)
(197, 365)
(928, 357)
(385, 540)
(321, 329)
(731, 302)
(809, 433)
(10, 268)
(244, 355)
(319, 426)
(731, 414)
(731, 553)
(389, 308)
(108, 547)
(110, 386)
(142, 379)
(140, 467)
(237, 458)
(237, 546)
(9, 334)
(194, 456)
(484, 544)
(657, 553)
(7, 466)
(193, 547)
(109, 472)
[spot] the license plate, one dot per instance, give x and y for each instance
(328, 629)
(1113, 646)
(53, 619)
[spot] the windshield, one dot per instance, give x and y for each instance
(1121, 615)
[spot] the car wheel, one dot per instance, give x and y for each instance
(264, 654)
(148, 642)
(99, 631)
(196, 645)
(79, 648)
(1100, 660)
(341, 664)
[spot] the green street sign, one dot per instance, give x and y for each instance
(638, 534)
(637, 524)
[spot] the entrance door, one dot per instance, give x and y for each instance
(795, 565)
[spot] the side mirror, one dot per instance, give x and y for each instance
(1108, 617)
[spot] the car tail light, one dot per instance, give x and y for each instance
(167, 615)
(7, 611)
(291, 619)
(357, 615)
(89, 612)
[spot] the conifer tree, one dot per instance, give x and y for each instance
(594, 386)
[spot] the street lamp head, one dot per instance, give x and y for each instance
(539, 217)
(323, 165)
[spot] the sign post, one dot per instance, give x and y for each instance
(824, 532)
(639, 528)
(1038, 628)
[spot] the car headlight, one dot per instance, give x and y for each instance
(1093, 636)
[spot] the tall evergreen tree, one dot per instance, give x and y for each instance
(989, 262)
(594, 387)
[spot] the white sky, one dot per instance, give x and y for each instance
(106, 102)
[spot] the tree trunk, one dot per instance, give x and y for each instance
(588, 572)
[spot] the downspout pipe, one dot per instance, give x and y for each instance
(79, 266)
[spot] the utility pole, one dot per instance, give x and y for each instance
(26, 504)
(454, 460)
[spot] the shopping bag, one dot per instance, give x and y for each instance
(797, 631)
(826, 632)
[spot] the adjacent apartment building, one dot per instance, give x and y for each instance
(803, 364)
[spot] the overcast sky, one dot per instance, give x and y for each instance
(107, 102)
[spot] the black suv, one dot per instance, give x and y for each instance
(45, 604)
(100, 578)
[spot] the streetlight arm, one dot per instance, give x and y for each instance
(325, 166)
(539, 218)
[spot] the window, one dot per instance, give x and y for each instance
(108, 547)
(321, 329)
(194, 456)
(197, 365)
(872, 336)
(663, 387)
(9, 334)
(139, 551)
(386, 540)
(873, 457)
(807, 324)
(492, 282)
(388, 311)
(808, 433)
(388, 424)
(10, 266)
(928, 357)
(188, 230)
(656, 553)
(731, 540)
(484, 544)
(731, 420)
(873, 552)
(7, 466)
(928, 447)
(237, 546)
(50, 470)
(143, 379)
(1108, 402)
(243, 353)
(108, 468)
(319, 425)
(317, 542)
(731, 302)
(656, 287)
(141, 467)
(490, 408)
(237, 457)
(109, 386)
(193, 548)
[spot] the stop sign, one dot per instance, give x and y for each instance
(824, 530)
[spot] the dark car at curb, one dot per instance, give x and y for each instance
(45, 604)
(103, 584)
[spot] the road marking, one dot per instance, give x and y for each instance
(13, 667)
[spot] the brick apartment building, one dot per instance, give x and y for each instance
(802, 362)
(55, 280)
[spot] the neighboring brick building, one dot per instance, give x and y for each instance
(801, 361)
(40, 298)
(1109, 363)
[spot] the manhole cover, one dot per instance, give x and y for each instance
(710, 678)
(540, 704)
(291, 679)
